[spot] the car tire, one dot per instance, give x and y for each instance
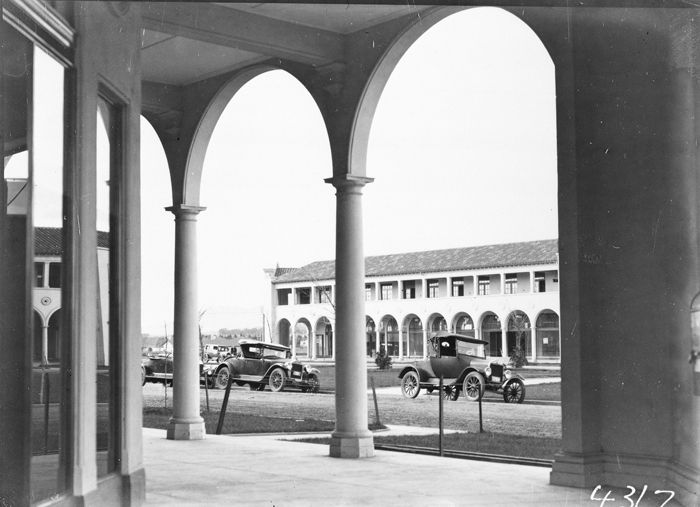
(410, 385)
(314, 384)
(278, 378)
(143, 375)
(221, 380)
(514, 392)
(450, 393)
(473, 386)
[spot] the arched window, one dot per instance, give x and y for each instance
(547, 335)
(491, 332)
(465, 326)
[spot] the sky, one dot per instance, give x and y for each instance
(462, 149)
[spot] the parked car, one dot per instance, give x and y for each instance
(157, 367)
(462, 362)
(259, 364)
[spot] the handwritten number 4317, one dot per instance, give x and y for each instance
(628, 496)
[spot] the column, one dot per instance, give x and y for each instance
(425, 342)
(401, 349)
(351, 437)
(45, 344)
(186, 423)
(424, 288)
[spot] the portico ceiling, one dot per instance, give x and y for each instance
(185, 42)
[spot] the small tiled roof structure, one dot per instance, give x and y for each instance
(506, 255)
(47, 240)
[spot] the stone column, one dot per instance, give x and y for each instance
(45, 345)
(186, 423)
(351, 438)
(425, 342)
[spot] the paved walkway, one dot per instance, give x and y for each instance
(254, 471)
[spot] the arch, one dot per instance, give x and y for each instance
(37, 349)
(53, 349)
(384, 67)
(302, 338)
(283, 332)
(323, 340)
(492, 332)
(518, 333)
(547, 335)
(464, 325)
(413, 336)
(389, 335)
(371, 336)
(436, 322)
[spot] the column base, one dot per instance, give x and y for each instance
(186, 430)
(352, 447)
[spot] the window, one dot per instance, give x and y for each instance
(511, 284)
(324, 295)
(484, 286)
(409, 290)
(283, 296)
(539, 282)
(368, 292)
(55, 275)
(457, 288)
(38, 274)
(386, 291)
(304, 296)
(433, 289)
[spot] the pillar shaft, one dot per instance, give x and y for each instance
(351, 438)
(186, 423)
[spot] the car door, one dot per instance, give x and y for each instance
(446, 363)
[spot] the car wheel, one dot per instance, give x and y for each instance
(450, 393)
(514, 392)
(222, 378)
(277, 380)
(473, 386)
(410, 385)
(314, 384)
(143, 375)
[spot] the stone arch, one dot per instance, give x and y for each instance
(492, 332)
(464, 324)
(37, 344)
(371, 336)
(323, 338)
(413, 333)
(53, 351)
(389, 334)
(436, 322)
(283, 332)
(518, 332)
(302, 338)
(547, 342)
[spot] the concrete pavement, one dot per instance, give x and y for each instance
(261, 471)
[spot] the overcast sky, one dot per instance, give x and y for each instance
(462, 149)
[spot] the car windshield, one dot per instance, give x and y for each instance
(471, 349)
(274, 354)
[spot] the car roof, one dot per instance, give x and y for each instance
(460, 337)
(267, 345)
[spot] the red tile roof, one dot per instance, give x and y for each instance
(47, 240)
(528, 253)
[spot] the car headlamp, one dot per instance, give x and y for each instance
(508, 374)
(487, 371)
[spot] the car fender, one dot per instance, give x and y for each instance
(314, 370)
(286, 369)
(423, 375)
(513, 376)
(464, 374)
(223, 365)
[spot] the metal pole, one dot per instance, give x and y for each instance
(481, 423)
(376, 406)
(224, 405)
(206, 388)
(441, 415)
(47, 395)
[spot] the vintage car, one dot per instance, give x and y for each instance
(157, 367)
(259, 364)
(462, 363)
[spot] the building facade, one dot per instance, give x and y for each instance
(505, 294)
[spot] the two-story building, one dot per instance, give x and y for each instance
(505, 294)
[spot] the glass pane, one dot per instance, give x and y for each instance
(46, 170)
(107, 160)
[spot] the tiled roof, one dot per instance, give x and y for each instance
(455, 259)
(47, 240)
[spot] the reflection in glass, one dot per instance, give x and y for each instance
(45, 162)
(107, 151)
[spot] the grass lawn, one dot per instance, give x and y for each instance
(489, 442)
(234, 423)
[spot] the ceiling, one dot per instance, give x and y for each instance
(185, 42)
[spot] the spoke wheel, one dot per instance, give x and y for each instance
(222, 378)
(514, 392)
(450, 393)
(314, 384)
(473, 386)
(277, 380)
(143, 375)
(410, 385)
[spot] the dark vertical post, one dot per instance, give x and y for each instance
(481, 423)
(224, 405)
(47, 400)
(441, 398)
(376, 405)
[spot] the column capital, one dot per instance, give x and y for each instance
(348, 181)
(185, 209)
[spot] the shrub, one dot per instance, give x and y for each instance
(383, 361)
(518, 358)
